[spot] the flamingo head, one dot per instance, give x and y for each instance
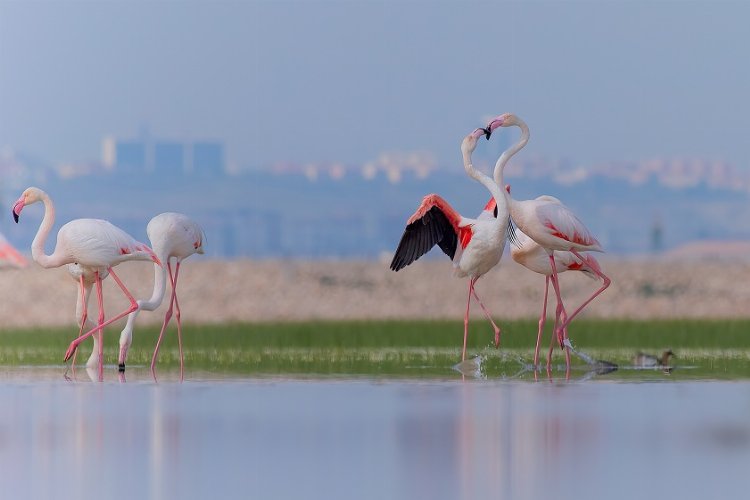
(469, 143)
(504, 120)
(29, 196)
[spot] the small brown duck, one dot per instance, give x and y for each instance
(643, 360)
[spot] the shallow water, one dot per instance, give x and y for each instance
(369, 438)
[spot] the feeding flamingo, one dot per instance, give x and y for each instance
(550, 224)
(95, 244)
(532, 256)
(172, 235)
(474, 245)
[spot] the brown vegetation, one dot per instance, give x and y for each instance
(246, 290)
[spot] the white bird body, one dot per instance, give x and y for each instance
(485, 249)
(553, 225)
(172, 235)
(97, 244)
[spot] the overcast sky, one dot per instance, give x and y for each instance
(323, 81)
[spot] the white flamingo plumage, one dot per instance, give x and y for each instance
(172, 235)
(549, 223)
(95, 244)
(474, 245)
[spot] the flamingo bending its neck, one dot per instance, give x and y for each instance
(172, 235)
(474, 245)
(550, 224)
(94, 244)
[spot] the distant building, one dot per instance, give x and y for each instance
(169, 158)
(207, 158)
(163, 157)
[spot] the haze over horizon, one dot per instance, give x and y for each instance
(344, 81)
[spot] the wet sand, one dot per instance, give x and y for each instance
(250, 291)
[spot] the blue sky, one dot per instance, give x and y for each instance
(328, 81)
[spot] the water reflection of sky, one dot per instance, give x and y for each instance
(365, 439)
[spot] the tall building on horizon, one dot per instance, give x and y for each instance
(146, 155)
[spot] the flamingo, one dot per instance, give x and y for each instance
(474, 245)
(552, 225)
(96, 245)
(532, 256)
(172, 235)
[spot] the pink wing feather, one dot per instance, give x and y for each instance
(562, 223)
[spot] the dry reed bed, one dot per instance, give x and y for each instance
(271, 290)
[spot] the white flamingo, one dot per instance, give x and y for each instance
(95, 244)
(474, 245)
(532, 256)
(172, 235)
(550, 224)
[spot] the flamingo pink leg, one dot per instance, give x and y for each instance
(84, 317)
(560, 315)
(560, 310)
(552, 348)
(133, 306)
(178, 315)
(542, 320)
(489, 317)
(172, 303)
(606, 284)
(466, 319)
(100, 299)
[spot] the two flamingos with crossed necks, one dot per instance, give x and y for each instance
(553, 226)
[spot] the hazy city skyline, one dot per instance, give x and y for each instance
(330, 81)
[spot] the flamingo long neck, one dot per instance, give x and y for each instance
(506, 156)
(160, 284)
(485, 180)
(37, 246)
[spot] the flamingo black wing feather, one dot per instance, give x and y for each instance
(433, 228)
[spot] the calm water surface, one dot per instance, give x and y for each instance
(370, 438)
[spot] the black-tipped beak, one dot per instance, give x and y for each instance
(15, 216)
(487, 133)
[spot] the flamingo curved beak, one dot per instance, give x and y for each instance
(497, 122)
(17, 210)
(487, 133)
